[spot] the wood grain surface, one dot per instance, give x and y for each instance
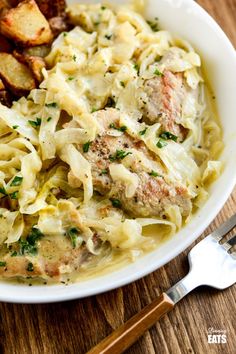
(76, 326)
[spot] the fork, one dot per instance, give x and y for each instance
(210, 264)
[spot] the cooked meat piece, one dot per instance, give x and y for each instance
(58, 24)
(98, 156)
(101, 148)
(55, 258)
(52, 8)
(105, 146)
(165, 97)
(70, 262)
(152, 194)
(17, 266)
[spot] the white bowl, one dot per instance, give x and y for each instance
(188, 20)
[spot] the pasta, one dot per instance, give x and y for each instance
(120, 137)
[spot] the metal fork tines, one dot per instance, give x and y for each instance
(210, 263)
(230, 243)
(225, 228)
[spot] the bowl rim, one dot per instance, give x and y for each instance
(23, 294)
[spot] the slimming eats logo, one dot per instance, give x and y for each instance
(216, 336)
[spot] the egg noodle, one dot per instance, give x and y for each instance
(47, 184)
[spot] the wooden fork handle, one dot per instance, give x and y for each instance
(122, 338)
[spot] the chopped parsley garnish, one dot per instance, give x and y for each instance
(35, 124)
(65, 34)
(3, 191)
(111, 102)
(86, 146)
(14, 195)
(15, 126)
(115, 202)
(136, 67)
(108, 36)
(123, 128)
(122, 83)
(51, 105)
(168, 136)
(2, 264)
(158, 73)
(34, 235)
(104, 172)
(74, 57)
(30, 267)
(119, 155)
(154, 174)
(93, 110)
(16, 181)
(161, 143)
(73, 233)
(142, 132)
(103, 8)
(154, 25)
(14, 254)
(29, 246)
(49, 118)
(70, 78)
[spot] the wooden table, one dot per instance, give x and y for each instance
(75, 326)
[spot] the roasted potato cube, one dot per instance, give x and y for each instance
(15, 75)
(26, 24)
(36, 64)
